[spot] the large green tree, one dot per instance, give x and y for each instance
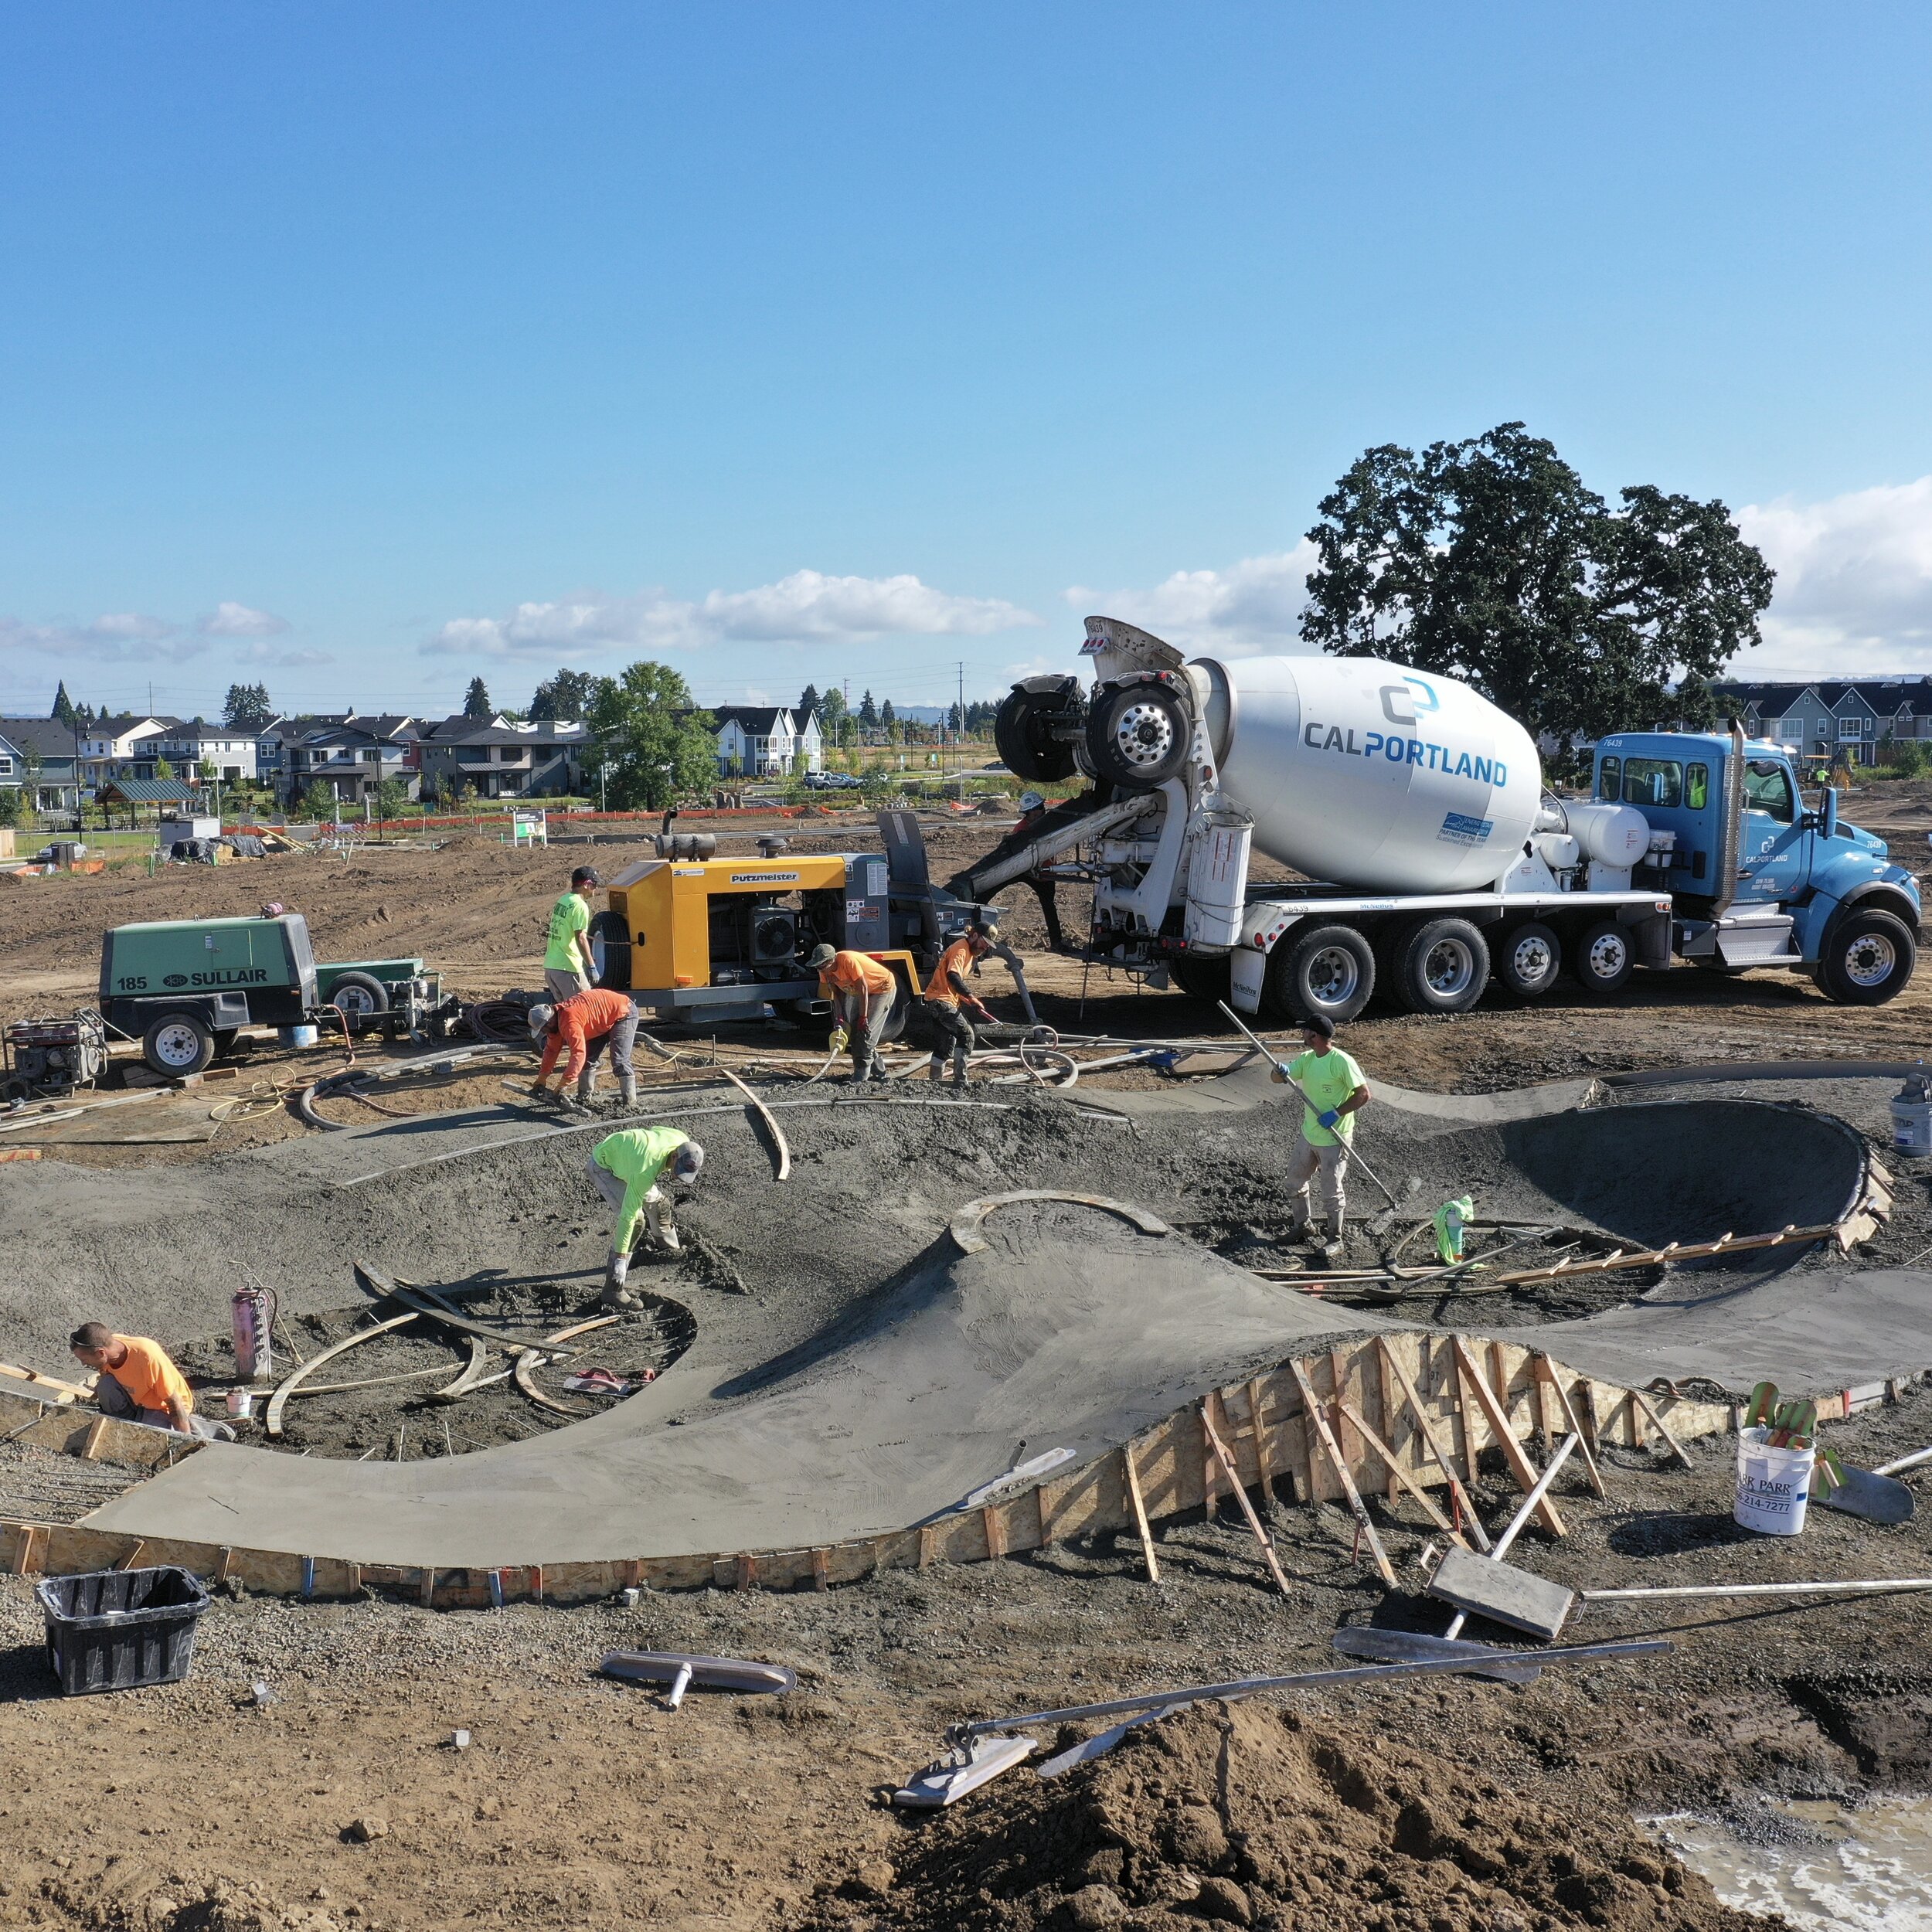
(247, 707)
(476, 701)
(567, 695)
(658, 748)
(63, 706)
(1490, 560)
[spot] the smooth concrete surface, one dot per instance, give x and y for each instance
(1071, 1331)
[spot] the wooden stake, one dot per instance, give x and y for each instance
(1546, 1377)
(1459, 1397)
(96, 1434)
(1263, 1462)
(1140, 1512)
(1357, 1507)
(1499, 1426)
(1399, 1477)
(1247, 1509)
(1650, 1409)
(1466, 1508)
(132, 1560)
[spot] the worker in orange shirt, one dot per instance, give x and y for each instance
(862, 993)
(948, 995)
(139, 1382)
(586, 1023)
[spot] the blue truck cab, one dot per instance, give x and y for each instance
(1757, 878)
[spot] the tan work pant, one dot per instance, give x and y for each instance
(1325, 1165)
(562, 985)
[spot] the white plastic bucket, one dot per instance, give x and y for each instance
(241, 1404)
(1774, 1485)
(1912, 1127)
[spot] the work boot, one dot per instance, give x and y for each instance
(616, 1268)
(587, 1086)
(667, 1236)
(936, 1069)
(627, 1090)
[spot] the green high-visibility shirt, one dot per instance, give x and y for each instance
(636, 1155)
(1327, 1079)
(568, 917)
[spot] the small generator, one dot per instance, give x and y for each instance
(47, 1059)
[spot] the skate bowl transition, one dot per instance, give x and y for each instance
(1043, 1363)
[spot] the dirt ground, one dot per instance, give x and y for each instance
(339, 1801)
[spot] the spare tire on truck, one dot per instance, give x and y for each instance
(1137, 734)
(1023, 728)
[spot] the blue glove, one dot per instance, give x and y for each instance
(1327, 1120)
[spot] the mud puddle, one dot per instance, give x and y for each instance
(1821, 1864)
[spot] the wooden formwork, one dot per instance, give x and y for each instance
(1464, 1387)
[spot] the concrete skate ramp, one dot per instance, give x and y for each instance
(1814, 1332)
(1071, 1330)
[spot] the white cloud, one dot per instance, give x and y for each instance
(806, 605)
(1854, 592)
(121, 637)
(1254, 605)
(231, 619)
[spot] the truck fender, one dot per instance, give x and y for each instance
(1261, 932)
(1813, 920)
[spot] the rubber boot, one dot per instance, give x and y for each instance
(936, 1069)
(587, 1086)
(616, 1268)
(627, 1090)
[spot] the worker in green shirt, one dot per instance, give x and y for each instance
(1334, 1090)
(630, 1169)
(568, 968)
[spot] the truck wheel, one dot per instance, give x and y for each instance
(1869, 957)
(1022, 730)
(1202, 979)
(1528, 959)
(1137, 736)
(1441, 967)
(1331, 970)
(610, 950)
(1605, 958)
(361, 996)
(177, 1044)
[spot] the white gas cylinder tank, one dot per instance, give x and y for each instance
(1364, 774)
(1610, 834)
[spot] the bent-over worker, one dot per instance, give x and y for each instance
(569, 968)
(586, 1024)
(862, 993)
(948, 995)
(630, 1168)
(139, 1382)
(1333, 1092)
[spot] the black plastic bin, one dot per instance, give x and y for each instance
(115, 1630)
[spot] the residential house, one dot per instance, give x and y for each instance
(500, 757)
(187, 746)
(350, 756)
(765, 741)
(1848, 718)
(55, 786)
(110, 748)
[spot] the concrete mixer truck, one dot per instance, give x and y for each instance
(1435, 860)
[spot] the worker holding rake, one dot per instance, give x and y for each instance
(1333, 1091)
(630, 1169)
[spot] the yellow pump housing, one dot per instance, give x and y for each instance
(720, 939)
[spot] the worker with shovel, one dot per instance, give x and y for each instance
(630, 1169)
(586, 1024)
(862, 993)
(948, 996)
(1333, 1092)
(569, 968)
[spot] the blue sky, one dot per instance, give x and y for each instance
(356, 348)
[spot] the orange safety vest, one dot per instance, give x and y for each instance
(857, 973)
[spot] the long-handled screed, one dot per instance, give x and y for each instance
(1281, 1067)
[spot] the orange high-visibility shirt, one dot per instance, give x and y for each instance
(579, 1020)
(857, 973)
(957, 958)
(149, 1375)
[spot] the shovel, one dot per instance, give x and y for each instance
(1864, 1492)
(680, 1670)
